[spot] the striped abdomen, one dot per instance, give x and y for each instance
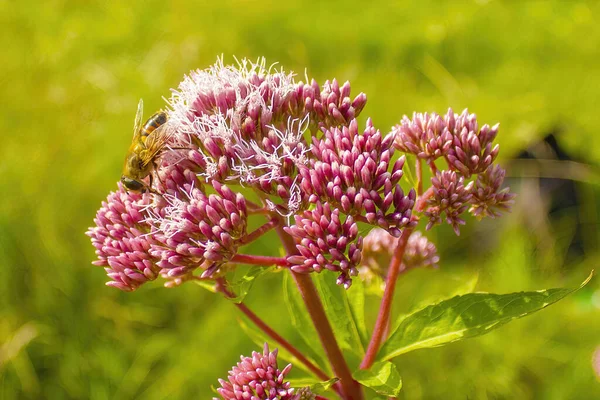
(153, 122)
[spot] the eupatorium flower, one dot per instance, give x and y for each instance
(489, 199)
(426, 136)
(122, 238)
(330, 106)
(200, 230)
(257, 378)
(379, 246)
(298, 146)
(471, 151)
(247, 123)
(325, 242)
(353, 171)
(450, 199)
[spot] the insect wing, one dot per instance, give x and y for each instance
(138, 119)
(156, 142)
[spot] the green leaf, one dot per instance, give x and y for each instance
(356, 299)
(344, 316)
(465, 316)
(316, 387)
(382, 377)
(208, 285)
(322, 387)
(302, 322)
(241, 286)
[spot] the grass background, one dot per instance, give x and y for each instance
(72, 73)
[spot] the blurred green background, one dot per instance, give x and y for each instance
(72, 74)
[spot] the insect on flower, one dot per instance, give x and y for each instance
(148, 143)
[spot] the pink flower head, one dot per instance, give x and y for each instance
(450, 198)
(325, 242)
(247, 124)
(257, 378)
(354, 172)
(488, 199)
(330, 106)
(427, 136)
(200, 229)
(472, 150)
(122, 238)
(379, 246)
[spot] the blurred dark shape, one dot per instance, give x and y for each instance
(555, 199)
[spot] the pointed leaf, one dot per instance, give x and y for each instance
(465, 316)
(208, 285)
(341, 314)
(322, 387)
(242, 285)
(356, 298)
(317, 387)
(382, 377)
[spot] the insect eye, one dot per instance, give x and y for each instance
(132, 184)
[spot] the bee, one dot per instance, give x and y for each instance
(148, 143)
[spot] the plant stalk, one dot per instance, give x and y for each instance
(351, 389)
(264, 261)
(386, 302)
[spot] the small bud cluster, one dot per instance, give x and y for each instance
(468, 150)
(258, 378)
(379, 246)
(352, 172)
(450, 198)
(325, 242)
(200, 230)
(458, 138)
(122, 238)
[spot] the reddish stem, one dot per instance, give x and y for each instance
(386, 302)
(351, 389)
(222, 287)
(252, 236)
(264, 261)
(433, 167)
(422, 200)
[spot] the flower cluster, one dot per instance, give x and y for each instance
(246, 124)
(325, 242)
(450, 197)
(122, 240)
(379, 246)
(489, 200)
(258, 378)
(468, 150)
(426, 136)
(458, 138)
(200, 230)
(352, 171)
(297, 147)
